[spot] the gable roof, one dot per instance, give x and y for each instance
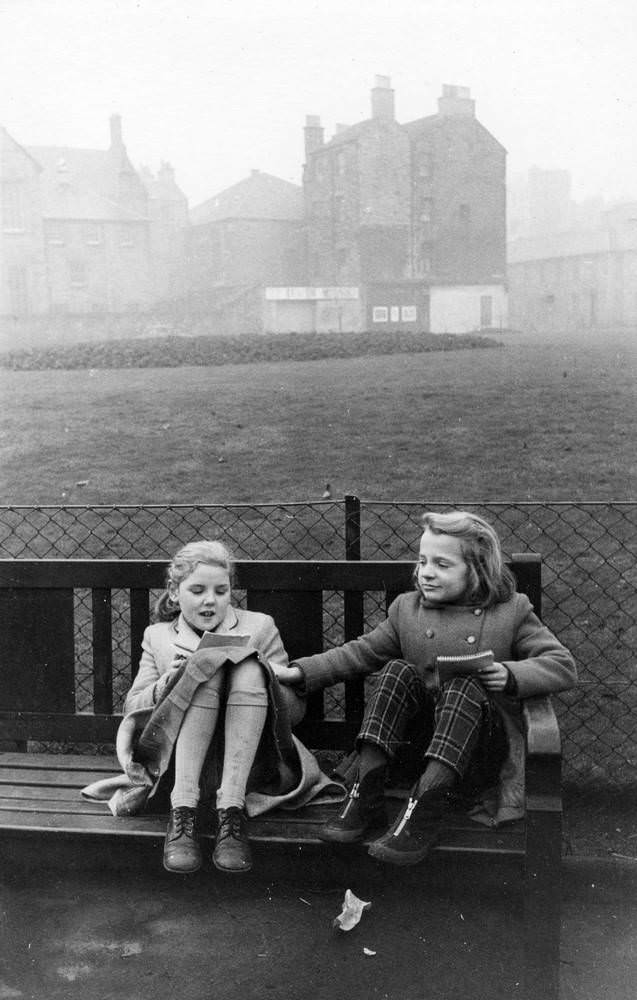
(82, 184)
(259, 196)
(432, 123)
(8, 137)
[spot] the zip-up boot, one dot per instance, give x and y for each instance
(364, 811)
(416, 829)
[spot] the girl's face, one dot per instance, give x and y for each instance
(442, 573)
(204, 596)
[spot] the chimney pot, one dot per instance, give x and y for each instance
(456, 101)
(116, 132)
(313, 132)
(383, 99)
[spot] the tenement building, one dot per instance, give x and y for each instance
(82, 231)
(403, 227)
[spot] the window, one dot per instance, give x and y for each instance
(55, 234)
(424, 165)
(394, 314)
(486, 312)
(94, 234)
(18, 291)
(379, 314)
(127, 238)
(422, 264)
(425, 210)
(465, 213)
(12, 206)
(409, 314)
(77, 272)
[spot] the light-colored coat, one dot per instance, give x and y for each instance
(165, 639)
(418, 633)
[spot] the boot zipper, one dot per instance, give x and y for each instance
(411, 805)
(352, 795)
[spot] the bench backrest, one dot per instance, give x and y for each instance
(37, 661)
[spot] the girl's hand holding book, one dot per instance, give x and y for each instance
(494, 677)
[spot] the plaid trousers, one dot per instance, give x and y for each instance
(450, 725)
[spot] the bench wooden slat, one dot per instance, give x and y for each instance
(63, 762)
(61, 794)
(102, 650)
(139, 618)
(295, 575)
(85, 817)
(47, 776)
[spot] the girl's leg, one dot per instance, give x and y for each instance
(196, 732)
(246, 714)
(181, 847)
(459, 716)
(396, 699)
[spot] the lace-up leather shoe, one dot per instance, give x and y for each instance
(415, 831)
(232, 847)
(182, 853)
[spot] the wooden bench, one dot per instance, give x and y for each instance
(39, 791)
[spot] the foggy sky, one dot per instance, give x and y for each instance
(220, 87)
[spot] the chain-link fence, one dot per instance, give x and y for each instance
(589, 571)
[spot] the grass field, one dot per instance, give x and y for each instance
(528, 420)
(522, 421)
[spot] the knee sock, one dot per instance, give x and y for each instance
(246, 712)
(197, 730)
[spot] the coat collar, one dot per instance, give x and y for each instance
(188, 638)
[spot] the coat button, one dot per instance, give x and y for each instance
(477, 611)
(471, 639)
(429, 633)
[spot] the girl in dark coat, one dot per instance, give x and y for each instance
(464, 602)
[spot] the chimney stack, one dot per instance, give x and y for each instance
(313, 134)
(383, 99)
(456, 101)
(116, 132)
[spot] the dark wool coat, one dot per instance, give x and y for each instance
(418, 632)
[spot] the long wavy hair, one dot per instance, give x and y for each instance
(490, 581)
(183, 564)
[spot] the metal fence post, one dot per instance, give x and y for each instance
(352, 527)
(354, 616)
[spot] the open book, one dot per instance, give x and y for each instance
(212, 640)
(461, 666)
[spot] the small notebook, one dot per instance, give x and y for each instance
(461, 666)
(212, 640)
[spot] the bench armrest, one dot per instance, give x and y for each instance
(541, 728)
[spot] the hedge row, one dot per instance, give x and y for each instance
(175, 351)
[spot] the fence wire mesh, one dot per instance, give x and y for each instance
(589, 575)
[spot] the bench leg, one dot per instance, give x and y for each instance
(543, 903)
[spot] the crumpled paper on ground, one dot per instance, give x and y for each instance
(351, 913)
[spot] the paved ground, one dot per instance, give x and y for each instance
(451, 932)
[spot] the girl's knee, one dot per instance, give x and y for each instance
(470, 687)
(400, 670)
(248, 675)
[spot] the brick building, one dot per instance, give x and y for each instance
(412, 214)
(23, 286)
(398, 226)
(83, 233)
(578, 280)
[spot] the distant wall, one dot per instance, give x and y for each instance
(463, 308)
